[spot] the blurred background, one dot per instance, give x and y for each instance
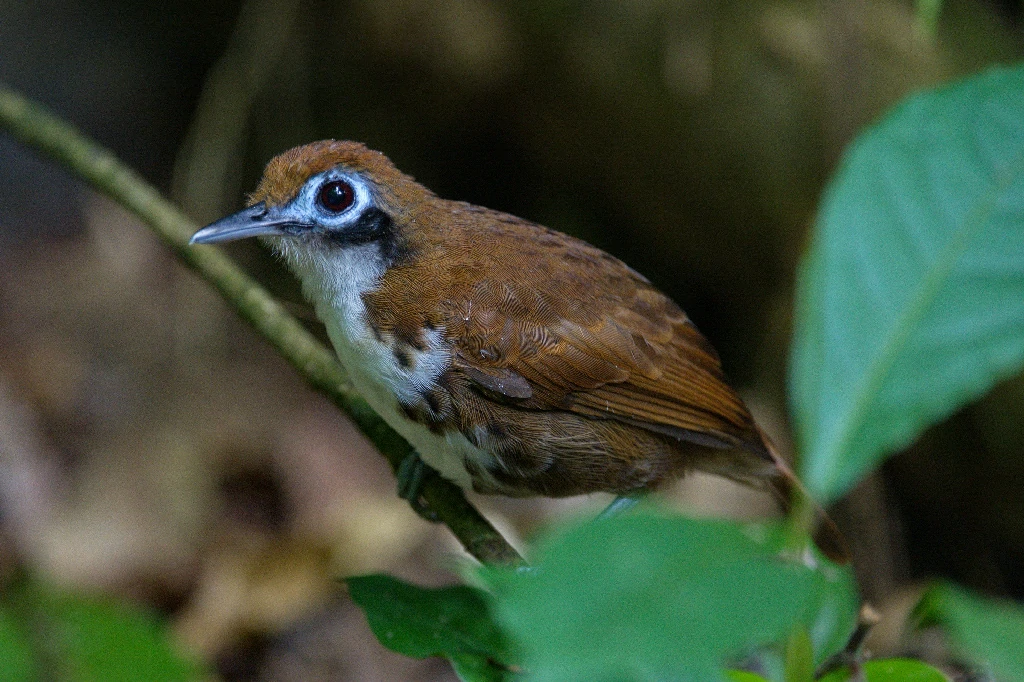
(152, 447)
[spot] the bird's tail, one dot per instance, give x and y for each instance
(788, 489)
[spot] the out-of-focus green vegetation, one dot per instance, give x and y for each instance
(911, 298)
(48, 634)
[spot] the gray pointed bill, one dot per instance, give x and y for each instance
(254, 221)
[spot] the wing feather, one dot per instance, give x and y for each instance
(642, 362)
(542, 321)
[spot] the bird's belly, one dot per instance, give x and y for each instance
(375, 374)
(445, 453)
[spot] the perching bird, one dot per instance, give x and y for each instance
(517, 360)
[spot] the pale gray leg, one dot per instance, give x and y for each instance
(621, 504)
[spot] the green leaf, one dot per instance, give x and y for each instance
(987, 631)
(910, 301)
(799, 657)
(98, 638)
(891, 670)
(16, 660)
(833, 608)
(453, 622)
(477, 668)
(927, 15)
(743, 676)
(53, 634)
(651, 597)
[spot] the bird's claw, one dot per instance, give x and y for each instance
(412, 474)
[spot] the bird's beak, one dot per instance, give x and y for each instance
(251, 222)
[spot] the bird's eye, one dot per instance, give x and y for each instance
(336, 196)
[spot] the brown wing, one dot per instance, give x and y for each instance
(605, 360)
(550, 322)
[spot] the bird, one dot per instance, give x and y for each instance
(515, 359)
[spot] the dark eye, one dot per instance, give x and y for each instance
(336, 196)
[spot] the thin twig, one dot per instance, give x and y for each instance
(38, 128)
(851, 656)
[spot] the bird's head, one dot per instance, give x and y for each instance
(322, 197)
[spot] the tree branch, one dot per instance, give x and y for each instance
(38, 128)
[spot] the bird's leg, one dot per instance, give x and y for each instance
(620, 504)
(412, 474)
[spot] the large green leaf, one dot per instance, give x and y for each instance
(453, 622)
(651, 597)
(910, 301)
(987, 631)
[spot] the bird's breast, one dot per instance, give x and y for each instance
(397, 372)
(402, 384)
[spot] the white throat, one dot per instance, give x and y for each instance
(334, 280)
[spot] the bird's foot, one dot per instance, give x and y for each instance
(620, 505)
(412, 474)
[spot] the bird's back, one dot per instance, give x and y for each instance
(562, 356)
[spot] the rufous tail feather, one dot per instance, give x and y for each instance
(785, 485)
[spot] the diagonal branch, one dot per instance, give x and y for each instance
(38, 128)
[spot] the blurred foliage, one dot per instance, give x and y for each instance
(652, 597)
(988, 631)
(453, 622)
(49, 634)
(911, 298)
(799, 656)
(889, 670)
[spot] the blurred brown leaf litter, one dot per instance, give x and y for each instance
(151, 446)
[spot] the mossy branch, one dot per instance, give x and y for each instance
(38, 128)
